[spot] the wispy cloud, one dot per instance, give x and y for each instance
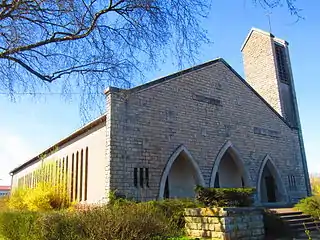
(14, 150)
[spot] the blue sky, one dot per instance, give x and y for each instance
(29, 125)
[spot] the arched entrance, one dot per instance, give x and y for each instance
(181, 175)
(270, 186)
(229, 170)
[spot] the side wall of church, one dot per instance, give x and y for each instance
(202, 110)
(94, 141)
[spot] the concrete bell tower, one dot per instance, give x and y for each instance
(268, 70)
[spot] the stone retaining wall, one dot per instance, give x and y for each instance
(225, 223)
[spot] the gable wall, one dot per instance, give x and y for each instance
(150, 124)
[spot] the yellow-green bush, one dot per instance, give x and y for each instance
(315, 185)
(4, 203)
(18, 225)
(310, 205)
(46, 191)
(43, 197)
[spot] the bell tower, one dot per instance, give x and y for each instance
(268, 70)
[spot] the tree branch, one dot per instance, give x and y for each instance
(28, 68)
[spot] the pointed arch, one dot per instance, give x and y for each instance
(228, 147)
(180, 150)
(282, 192)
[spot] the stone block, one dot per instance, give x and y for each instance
(207, 226)
(193, 226)
(214, 220)
(194, 233)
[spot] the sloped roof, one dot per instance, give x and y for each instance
(264, 33)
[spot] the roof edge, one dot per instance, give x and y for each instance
(63, 141)
(112, 90)
(255, 30)
(257, 94)
(171, 76)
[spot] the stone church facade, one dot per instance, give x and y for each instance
(202, 126)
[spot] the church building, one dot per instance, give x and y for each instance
(205, 125)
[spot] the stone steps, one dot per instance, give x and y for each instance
(297, 222)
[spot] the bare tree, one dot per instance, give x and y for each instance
(90, 44)
(42, 41)
(289, 4)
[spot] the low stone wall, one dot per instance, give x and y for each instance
(225, 223)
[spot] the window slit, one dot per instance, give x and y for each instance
(135, 177)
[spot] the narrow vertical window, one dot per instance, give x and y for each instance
(32, 177)
(289, 180)
(44, 173)
(52, 172)
(67, 174)
(141, 178)
(76, 177)
(81, 174)
(56, 173)
(86, 175)
(62, 173)
(147, 176)
(293, 180)
(135, 177)
(49, 172)
(282, 63)
(59, 175)
(35, 178)
(72, 177)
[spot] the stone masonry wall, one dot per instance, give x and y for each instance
(202, 110)
(225, 223)
(260, 68)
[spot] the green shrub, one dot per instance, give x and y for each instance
(127, 222)
(310, 205)
(173, 209)
(225, 197)
(59, 226)
(16, 225)
(122, 222)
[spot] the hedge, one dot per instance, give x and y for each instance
(310, 205)
(128, 221)
(173, 209)
(225, 197)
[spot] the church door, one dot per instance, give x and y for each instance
(270, 187)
